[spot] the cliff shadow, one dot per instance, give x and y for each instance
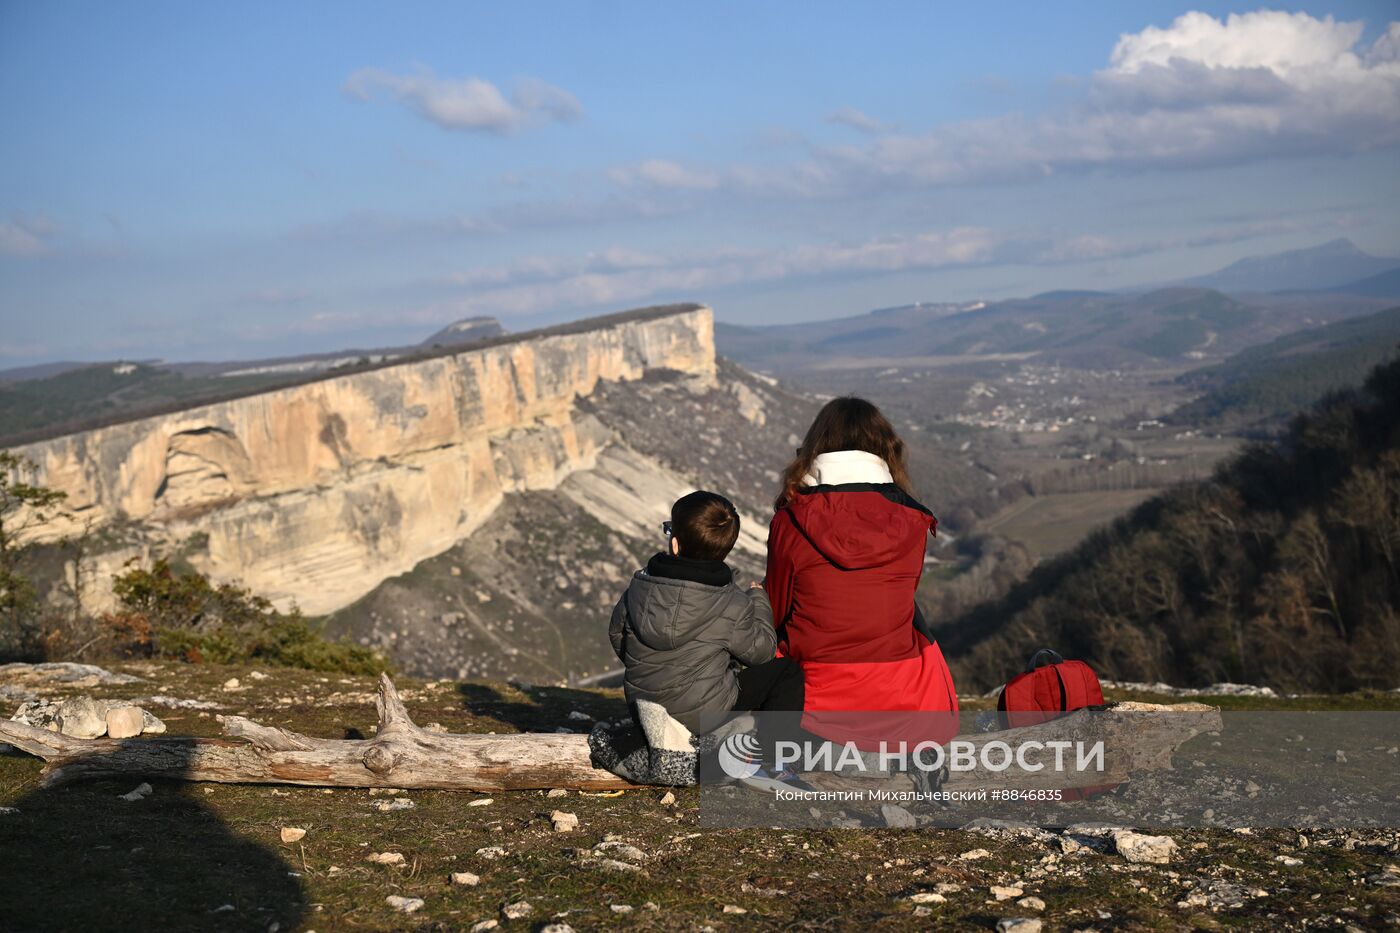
(77, 857)
(545, 709)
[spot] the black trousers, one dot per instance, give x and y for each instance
(776, 688)
(773, 685)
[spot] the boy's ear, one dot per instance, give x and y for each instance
(675, 547)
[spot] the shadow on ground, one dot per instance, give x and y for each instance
(77, 857)
(541, 709)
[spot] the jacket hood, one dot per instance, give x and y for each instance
(861, 525)
(666, 612)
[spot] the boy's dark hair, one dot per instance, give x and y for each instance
(705, 524)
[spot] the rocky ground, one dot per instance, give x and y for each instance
(111, 854)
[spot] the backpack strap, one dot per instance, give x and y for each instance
(1042, 657)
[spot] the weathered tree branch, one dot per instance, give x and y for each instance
(403, 755)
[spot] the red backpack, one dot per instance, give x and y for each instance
(1049, 688)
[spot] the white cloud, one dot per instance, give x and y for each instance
(25, 237)
(660, 173)
(468, 104)
(1199, 92)
(856, 120)
(618, 275)
(1280, 42)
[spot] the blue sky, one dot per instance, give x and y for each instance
(227, 181)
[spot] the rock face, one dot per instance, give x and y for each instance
(316, 493)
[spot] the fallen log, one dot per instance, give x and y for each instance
(401, 754)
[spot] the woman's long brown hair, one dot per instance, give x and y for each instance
(846, 423)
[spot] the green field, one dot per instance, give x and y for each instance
(1054, 523)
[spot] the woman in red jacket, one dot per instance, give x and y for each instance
(845, 553)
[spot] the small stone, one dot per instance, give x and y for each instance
(612, 864)
(559, 927)
(668, 799)
(1288, 861)
(8, 811)
(481, 802)
(1018, 925)
(620, 848)
(484, 925)
(557, 792)
(928, 897)
(436, 727)
(922, 911)
(1388, 878)
(82, 718)
(293, 834)
(257, 675)
(1341, 757)
(466, 878)
(398, 803)
(1136, 847)
(1004, 893)
(897, 817)
(1031, 903)
(142, 791)
(123, 722)
(620, 908)
(517, 911)
(972, 855)
(490, 852)
(563, 822)
(406, 904)
(734, 909)
(579, 716)
(385, 858)
(232, 684)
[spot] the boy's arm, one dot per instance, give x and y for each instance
(754, 639)
(617, 626)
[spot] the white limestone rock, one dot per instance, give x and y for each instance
(1150, 850)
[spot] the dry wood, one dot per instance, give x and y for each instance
(403, 755)
(399, 755)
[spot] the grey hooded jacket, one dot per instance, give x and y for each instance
(680, 639)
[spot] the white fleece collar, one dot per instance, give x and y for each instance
(840, 467)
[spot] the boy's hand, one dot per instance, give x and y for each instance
(755, 585)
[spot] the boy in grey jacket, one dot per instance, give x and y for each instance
(690, 638)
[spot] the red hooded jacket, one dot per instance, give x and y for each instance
(843, 564)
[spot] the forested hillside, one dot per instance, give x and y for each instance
(1283, 569)
(1264, 385)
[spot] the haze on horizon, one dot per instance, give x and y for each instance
(219, 182)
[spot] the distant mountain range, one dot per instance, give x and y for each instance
(1337, 264)
(1174, 326)
(1384, 285)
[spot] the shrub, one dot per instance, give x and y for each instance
(181, 614)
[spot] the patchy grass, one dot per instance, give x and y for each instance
(77, 857)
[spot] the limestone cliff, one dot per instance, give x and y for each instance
(317, 492)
